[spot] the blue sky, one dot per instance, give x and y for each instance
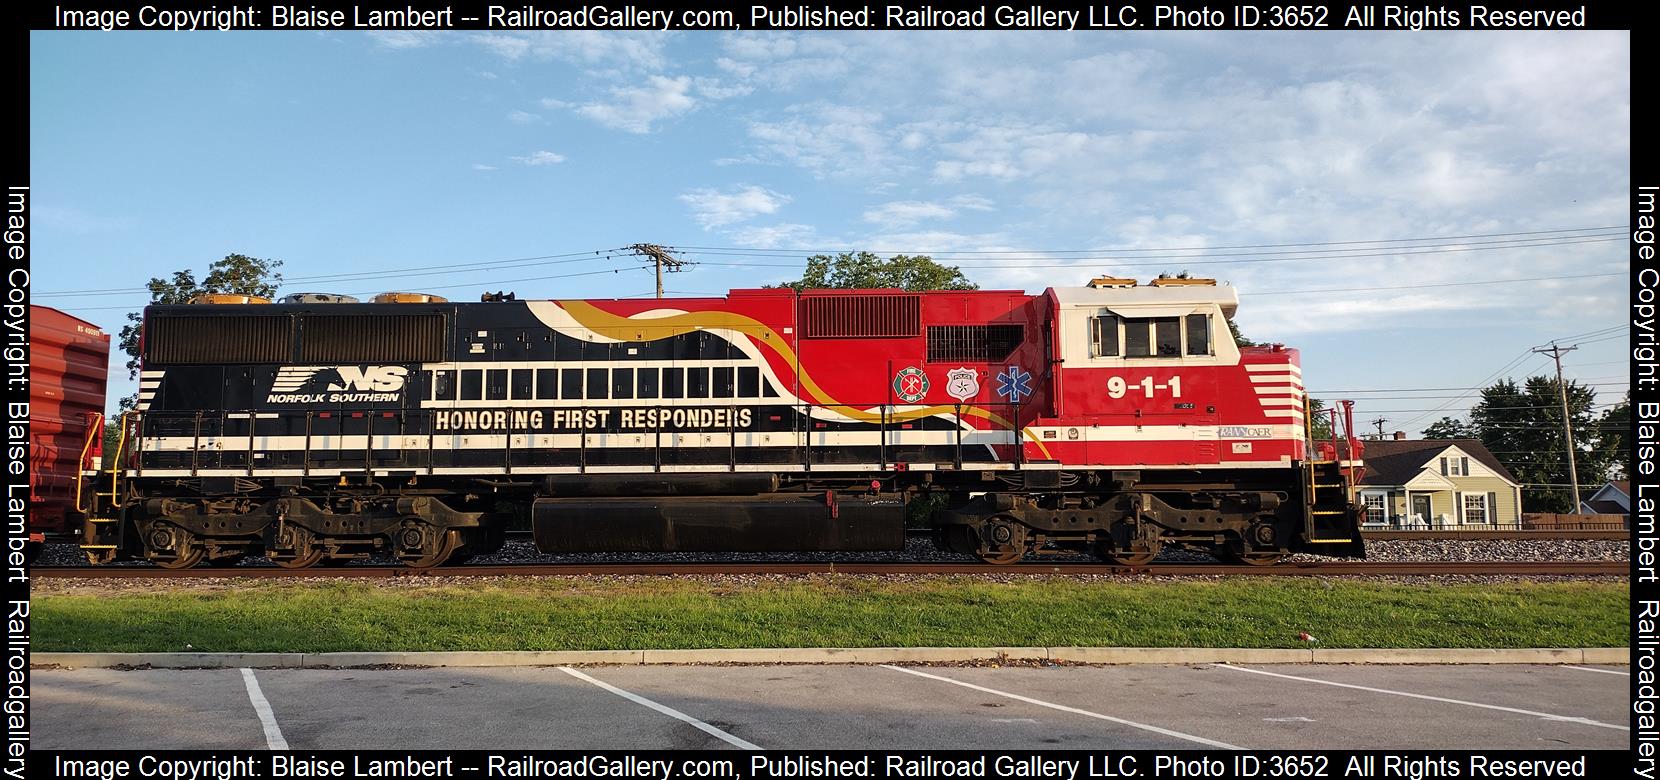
(1030, 159)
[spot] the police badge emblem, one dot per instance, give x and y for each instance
(962, 383)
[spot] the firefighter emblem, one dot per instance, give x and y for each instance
(910, 385)
(962, 383)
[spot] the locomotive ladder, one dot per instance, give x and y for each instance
(1326, 513)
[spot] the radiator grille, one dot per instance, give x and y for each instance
(861, 316)
(184, 340)
(372, 338)
(973, 343)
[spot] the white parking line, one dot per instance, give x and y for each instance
(1603, 671)
(267, 719)
(1073, 710)
(1545, 715)
(669, 711)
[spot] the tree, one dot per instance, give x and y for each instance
(1613, 434)
(235, 273)
(1449, 428)
(1238, 337)
(849, 270)
(1522, 426)
(1319, 420)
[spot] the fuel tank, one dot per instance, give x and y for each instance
(762, 523)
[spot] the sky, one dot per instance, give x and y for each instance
(1372, 195)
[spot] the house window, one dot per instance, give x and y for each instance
(1475, 508)
(1376, 512)
(1455, 467)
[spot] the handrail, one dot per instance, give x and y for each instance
(94, 431)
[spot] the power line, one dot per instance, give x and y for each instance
(1443, 284)
(1031, 260)
(574, 257)
(1187, 248)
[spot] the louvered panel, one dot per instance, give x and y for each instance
(185, 340)
(861, 316)
(973, 343)
(372, 338)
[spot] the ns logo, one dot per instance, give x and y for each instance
(302, 384)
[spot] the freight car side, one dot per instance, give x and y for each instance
(69, 372)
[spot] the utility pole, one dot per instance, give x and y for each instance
(1556, 352)
(659, 257)
(1379, 422)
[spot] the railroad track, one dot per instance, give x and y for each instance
(1490, 535)
(1345, 568)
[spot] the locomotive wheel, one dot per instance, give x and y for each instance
(421, 546)
(1258, 549)
(298, 548)
(172, 547)
(1002, 541)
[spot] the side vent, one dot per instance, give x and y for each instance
(184, 340)
(973, 343)
(860, 316)
(372, 338)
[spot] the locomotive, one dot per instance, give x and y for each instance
(1115, 418)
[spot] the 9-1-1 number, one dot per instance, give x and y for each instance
(1117, 387)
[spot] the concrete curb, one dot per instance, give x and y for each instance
(849, 655)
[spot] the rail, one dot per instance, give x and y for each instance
(1306, 569)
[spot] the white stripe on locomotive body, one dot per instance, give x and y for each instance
(699, 439)
(149, 381)
(1282, 367)
(666, 469)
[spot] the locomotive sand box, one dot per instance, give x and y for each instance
(1115, 418)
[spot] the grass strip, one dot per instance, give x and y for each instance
(828, 611)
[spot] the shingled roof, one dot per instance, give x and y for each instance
(1396, 461)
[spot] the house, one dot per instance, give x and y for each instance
(1613, 498)
(1418, 483)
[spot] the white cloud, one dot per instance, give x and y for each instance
(829, 140)
(483, 167)
(972, 202)
(523, 117)
(634, 109)
(627, 50)
(713, 208)
(404, 39)
(781, 236)
(903, 213)
(715, 89)
(540, 158)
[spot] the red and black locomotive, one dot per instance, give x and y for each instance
(1115, 418)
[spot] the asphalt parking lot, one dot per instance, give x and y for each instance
(817, 707)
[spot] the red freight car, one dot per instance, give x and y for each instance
(69, 367)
